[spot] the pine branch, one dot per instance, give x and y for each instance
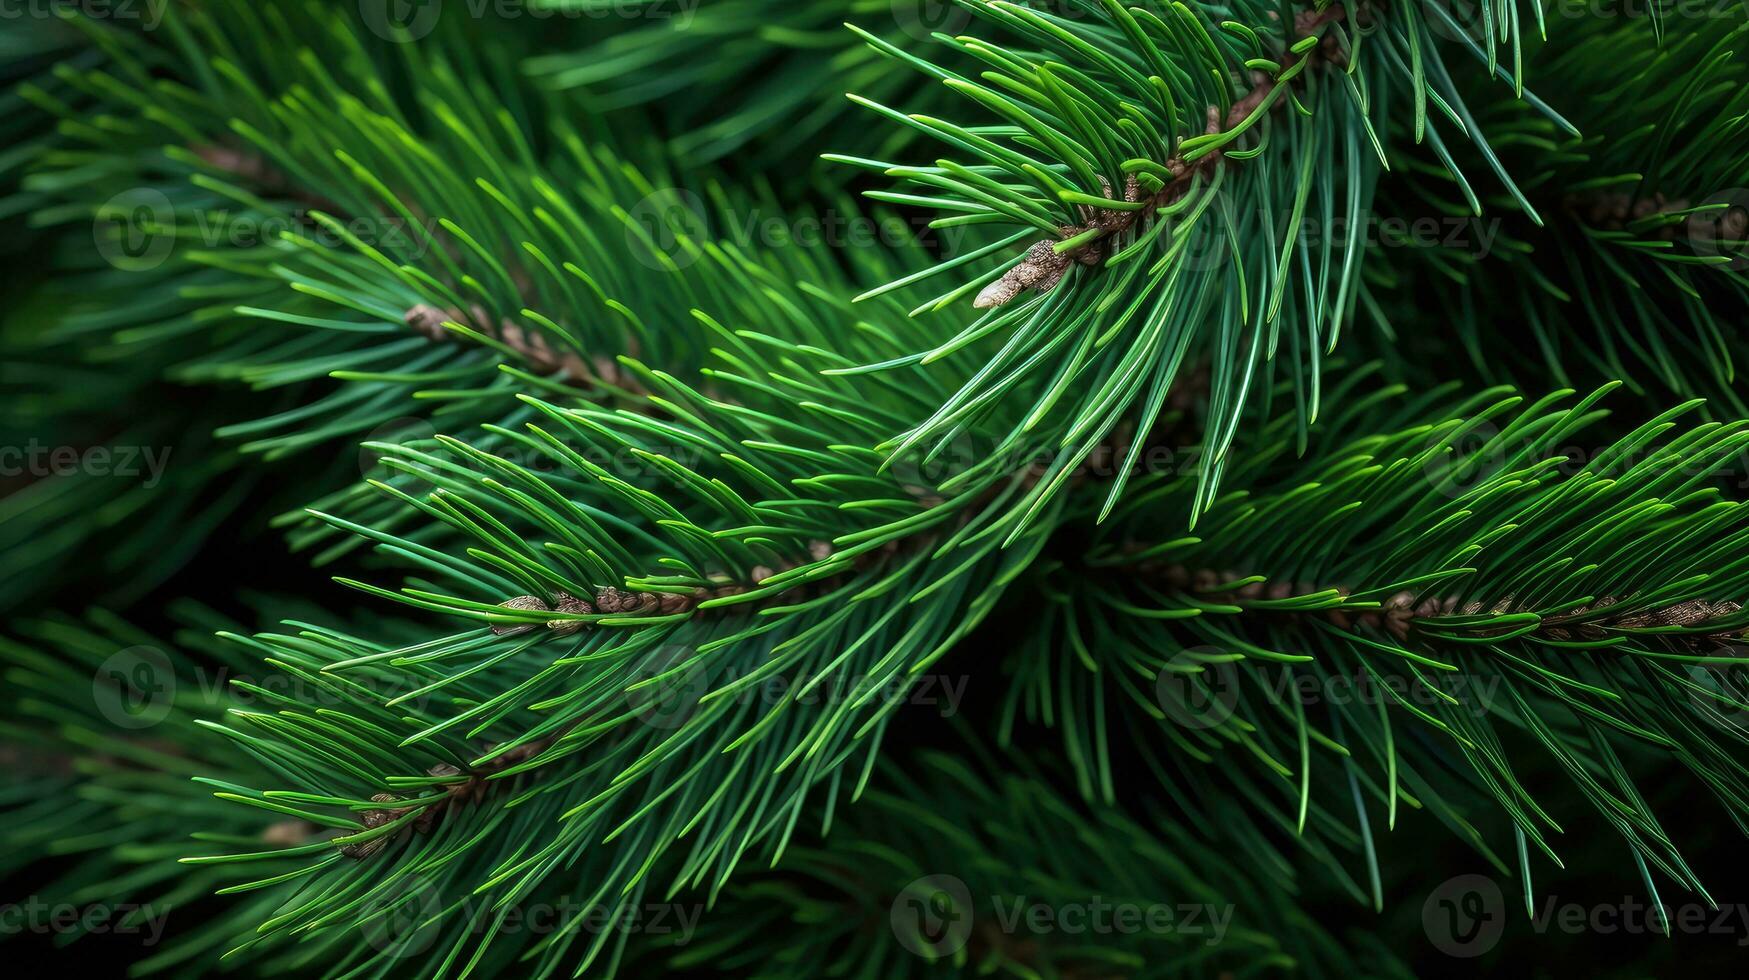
(739, 81)
(944, 844)
(1399, 614)
(634, 722)
(1626, 249)
(1046, 262)
(1454, 558)
(1207, 253)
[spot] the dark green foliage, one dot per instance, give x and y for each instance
(665, 489)
(1629, 228)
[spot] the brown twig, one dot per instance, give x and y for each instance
(253, 169)
(610, 600)
(1043, 266)
(1398, 614)
(531, 345)
(474, 785)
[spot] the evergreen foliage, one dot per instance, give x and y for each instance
(676, 442)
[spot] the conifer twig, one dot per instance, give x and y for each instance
(532, 346)
(1045, 264)
(1398, 613)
